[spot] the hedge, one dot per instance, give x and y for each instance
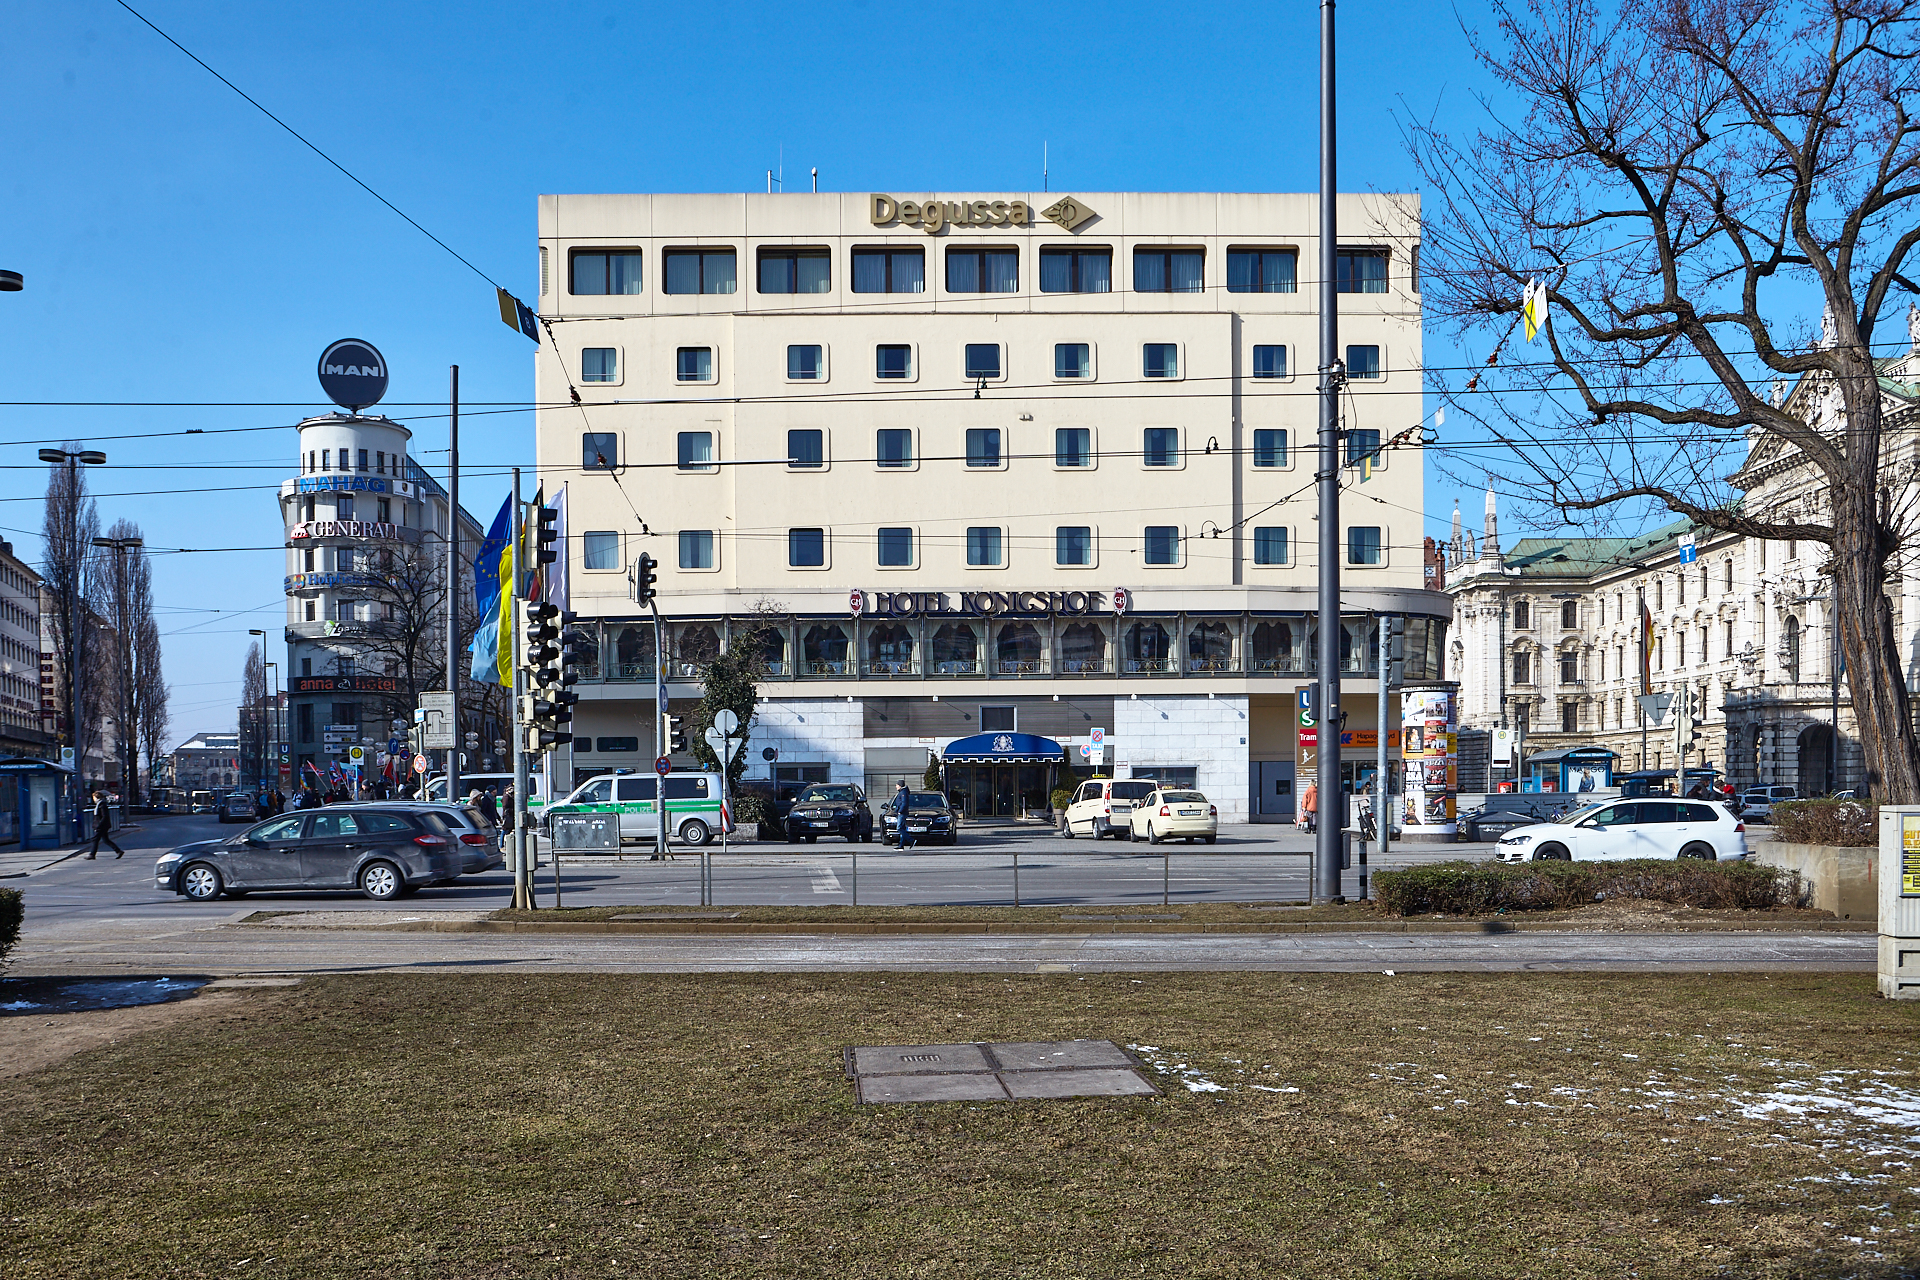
(12, 911)
(1480, 888)
(1844, 824)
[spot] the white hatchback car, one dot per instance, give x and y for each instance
(1703, 829)
(1174, 814)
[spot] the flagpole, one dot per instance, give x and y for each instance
(510, 588)
(453, 579)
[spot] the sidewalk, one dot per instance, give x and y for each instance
(16, 862)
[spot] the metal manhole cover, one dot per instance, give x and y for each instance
(994, 1071)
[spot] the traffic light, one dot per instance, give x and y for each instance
(577, 650)
(546, 535)
(676, 734)
(644, 578)
(1396, 650)
(542, 716)
(1686, 730)
(541, 632)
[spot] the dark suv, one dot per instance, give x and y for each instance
(380, 850)
(829, 809)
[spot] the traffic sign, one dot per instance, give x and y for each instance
(419, 764)
(1096, 735)
(726, 721)
(393, 746)
(1654, 705)
(663, 766)
(357, 754)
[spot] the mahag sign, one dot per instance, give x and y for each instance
(353, 374)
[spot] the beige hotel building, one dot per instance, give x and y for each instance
(1015, 465)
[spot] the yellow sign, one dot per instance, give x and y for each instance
(1910, 855)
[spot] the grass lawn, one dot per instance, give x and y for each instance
(1497, 1125)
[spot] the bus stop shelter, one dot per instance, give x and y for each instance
(38, 800)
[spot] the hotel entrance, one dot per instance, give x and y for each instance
(1002, 775)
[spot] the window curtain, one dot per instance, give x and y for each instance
(1276, 273)
(1056, 273)
(1003, 271)
(1149, 272)
(1096, 273)
(623, 273)
(869, 273)
(683, 273)
(1186, 272)
(910, 272)
(810, 273)
(718, 272)
(963, 272)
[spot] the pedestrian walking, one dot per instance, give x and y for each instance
(489, 807)
(1310, 804)
(902, 799)
(102, 824)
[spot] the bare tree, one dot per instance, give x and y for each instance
(1682, 176)
(253, 716)
(150, 693)
(70, 523)
(125, 591)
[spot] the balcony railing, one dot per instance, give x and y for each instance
(957, 667)
(1150, 666)
(1286, 664)
(1212, 664)
(894, 667)
(1019, 667)
(826, 667)
(632, 670)
(1083, 666)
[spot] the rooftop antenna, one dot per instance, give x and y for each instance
(816, 179)
(1044, 176)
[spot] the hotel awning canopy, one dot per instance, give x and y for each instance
(1004, 748)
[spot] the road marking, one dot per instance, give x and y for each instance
(824, 880)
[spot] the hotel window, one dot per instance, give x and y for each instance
(1360, 271)
(893, 447)
(1088, 270)
(1160, 447)
(307, 562)
(1160, 359)
(696, 451)
(601, 271)
(1360, 444)
(806, 548)
(699, 270)
(1073, 446)
(893, 360)
(343, 563)
(983, 547)
(384, 509)
(983, 446)
(311, 503)
(696, 548)
(1261, 270)
(1161, 544)
(983, 360)
(693, 364)
(343, 507)
(1363, 362)
(1363, 544)
(1168, 271)
(326, 459)
(1269, 362)
(363, 459)
(807, 448)
(1073, 545)
(983, 271)
(1269, 546)
(1072, 360)
(895, 548)
(793, 271)
(599, 450)
(600, 550)
(889, 271)
(1270, 447)
(599, 364)
(806, 363)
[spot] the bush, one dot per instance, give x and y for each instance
(1061, 799)
(751, 808)
(1844, 824)
(1479, 888)
(12, 911)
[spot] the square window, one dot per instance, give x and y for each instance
(1073, 446)
(1162, 544)
(1260, 270)
(1088, 270)
(983, 446)
(806, 548)
(1072, 360)
(1073, 545)
(1360, 271)
(1363, 362)
(1168, 271)
(1161, 360)
(696, 548)
(1269, 362)
(1363, 443)
(983, 360)
(997, 720)
(893, 360)
(696, 450)
(983, 271)
(605, 271)
(1160, 446)
(806, 363)
(693, 364)
(599, 364)
(1363, 544)
(889, 271)
(983, 547)
(600, 550)
(699, 270)
(893, 447)
(1269, 546)
(807, 447)
(794, 271)
(1270, 447)
(895, 548)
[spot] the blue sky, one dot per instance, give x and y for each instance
(184, 252)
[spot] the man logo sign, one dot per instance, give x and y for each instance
(353, 374)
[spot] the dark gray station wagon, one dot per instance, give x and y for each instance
(381, 852)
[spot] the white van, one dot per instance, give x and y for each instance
(692, 800)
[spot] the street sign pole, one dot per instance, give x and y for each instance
(660, 726)
(1328, 832)
(453, 580)
(522, 873)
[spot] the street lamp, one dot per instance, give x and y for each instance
(119, 547)
(92, 457)
(11, 281)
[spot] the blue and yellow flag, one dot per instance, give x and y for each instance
(489, 656)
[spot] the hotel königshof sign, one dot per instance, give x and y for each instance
(979, 604)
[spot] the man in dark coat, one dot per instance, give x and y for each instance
(102, 824)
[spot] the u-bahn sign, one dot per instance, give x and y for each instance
(353, 374)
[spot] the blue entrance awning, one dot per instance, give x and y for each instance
(1004, 748)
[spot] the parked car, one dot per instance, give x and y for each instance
(480, 848)
(1173, 814)
(382, 850)
(930, 818)
(1104, 807)
(829, 809)
(692, 804)
(238, 806)
(1704, 829)
(1490, 823)
(1756, 803)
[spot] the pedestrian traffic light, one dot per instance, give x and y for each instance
(676, 734)
(547, 534)
(644, 578)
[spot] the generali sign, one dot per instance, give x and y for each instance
(344, 529)
(931, 215)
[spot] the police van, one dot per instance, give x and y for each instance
(500, 782)
(692, 804)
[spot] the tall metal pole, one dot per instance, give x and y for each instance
(453, 579)
(74, 714)
(522, 872)
(1332, 811)
(1833, 673)
(659, 730)
(1383, 793)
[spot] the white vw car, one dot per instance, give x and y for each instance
(1703, 829)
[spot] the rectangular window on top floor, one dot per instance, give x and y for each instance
(379, 462)
(699, 270)
(1270, 447)
(889, 271)
(983, 446)
(794, 271)
(1269, 362)
(1261, 270)
(604, 271)
(806, 448)
(1079, 270)
(363, 459)
(599, 364)
(983, 271)
(326, 459)
(1168, 271)
(1269, 546)
(1360, 271)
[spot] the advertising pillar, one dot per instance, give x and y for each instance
(1429, 748)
